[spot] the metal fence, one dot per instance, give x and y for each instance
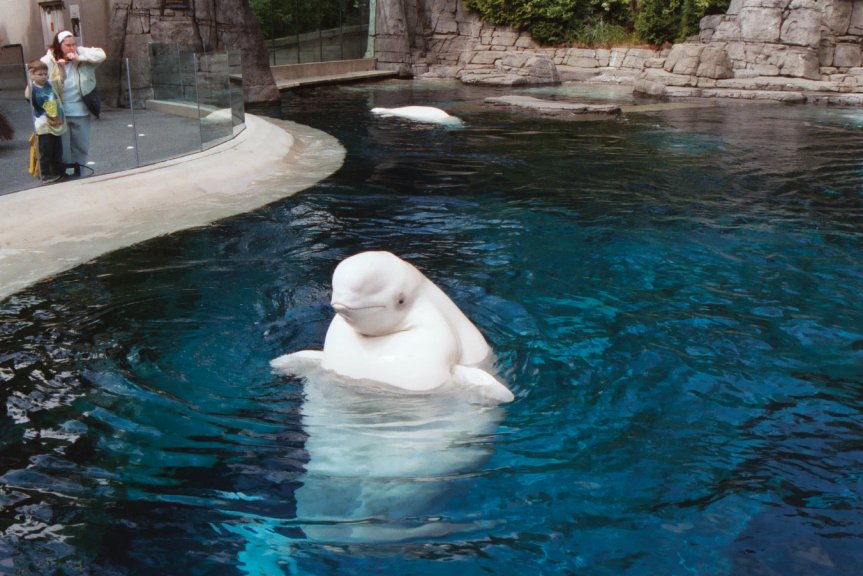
(175, 102)
(303, 31)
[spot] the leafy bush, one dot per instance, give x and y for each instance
(553, 22)
(601, 33)
(658, 21)
(550, 22)
(600, 22)
(285, 17)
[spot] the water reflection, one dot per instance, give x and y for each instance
(380, 466)
(683, 331)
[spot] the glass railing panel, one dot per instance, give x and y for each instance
(166, 124)
(214, 99)
(112, 137)
(172, 72)
(354, 30)
(17, 127)
(302, 32)
(235, 71)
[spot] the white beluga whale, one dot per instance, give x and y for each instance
(395, 327)
(419, 114)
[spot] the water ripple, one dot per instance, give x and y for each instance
(674, 298)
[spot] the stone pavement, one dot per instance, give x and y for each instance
(113, 143)
(47, 229)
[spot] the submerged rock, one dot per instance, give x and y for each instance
(555, 107)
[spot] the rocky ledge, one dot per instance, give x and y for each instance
(781, 50)
(555, 107)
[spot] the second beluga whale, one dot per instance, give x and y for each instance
(427, 114)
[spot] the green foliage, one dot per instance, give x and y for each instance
(689, 19)
(600, 22)
(658, 21)
(285, 17)
(600, 33)
(550, 22)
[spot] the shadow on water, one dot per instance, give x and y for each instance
(673, 296)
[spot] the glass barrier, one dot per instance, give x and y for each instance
(235, 75)
(112, 136)
(17, 125)
(166, 113)
(299, 31)
(172, 69)
(173, 103)
(214, 99)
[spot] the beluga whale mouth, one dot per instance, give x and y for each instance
(353, 311)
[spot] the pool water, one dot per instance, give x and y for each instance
(675, 297)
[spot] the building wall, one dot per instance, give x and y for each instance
(125, 29)
(22, 23)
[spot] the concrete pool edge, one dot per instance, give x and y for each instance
(50, 229)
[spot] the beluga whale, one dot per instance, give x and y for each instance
(394, 326)
(419, 114)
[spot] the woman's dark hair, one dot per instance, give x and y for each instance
(55, 47)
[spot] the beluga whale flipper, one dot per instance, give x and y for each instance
(419, 114)
(396, 327)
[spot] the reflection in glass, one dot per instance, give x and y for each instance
(214, 98)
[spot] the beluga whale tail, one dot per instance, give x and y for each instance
(419, 114)
(394, 326)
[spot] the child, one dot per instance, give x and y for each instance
(49, 121)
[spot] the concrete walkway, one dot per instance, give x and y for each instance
(49, 229)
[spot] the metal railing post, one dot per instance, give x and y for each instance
(132, 110)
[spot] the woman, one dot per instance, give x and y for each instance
(72, 72)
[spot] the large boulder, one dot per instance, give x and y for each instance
(801, 27)
(760, 24)
(684, 58)
(714, 63)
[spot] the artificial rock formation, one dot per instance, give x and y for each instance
(440, 39)
(790, 50)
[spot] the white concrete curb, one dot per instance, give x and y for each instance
(46, 230)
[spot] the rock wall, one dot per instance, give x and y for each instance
(440, 39)
(793, 50)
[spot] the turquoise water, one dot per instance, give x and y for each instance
(674, 297)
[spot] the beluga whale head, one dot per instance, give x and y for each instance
(393, 326)
(374, 292)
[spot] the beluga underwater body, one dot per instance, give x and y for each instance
(428, 114)
(394, 326)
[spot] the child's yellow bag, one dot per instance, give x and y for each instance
(34, 156)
